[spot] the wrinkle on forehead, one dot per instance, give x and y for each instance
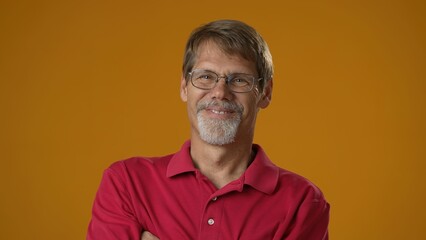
(211, 50)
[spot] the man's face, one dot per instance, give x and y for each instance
(219, 116)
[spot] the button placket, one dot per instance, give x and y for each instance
(212, 217)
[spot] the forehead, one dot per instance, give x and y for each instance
(211, 56)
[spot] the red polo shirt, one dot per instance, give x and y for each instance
(170, 198)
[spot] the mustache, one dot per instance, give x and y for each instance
(229, 106)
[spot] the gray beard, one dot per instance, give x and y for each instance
(218, 131)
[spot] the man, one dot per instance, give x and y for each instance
(219, 185)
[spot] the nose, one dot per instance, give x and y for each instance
(221, 89)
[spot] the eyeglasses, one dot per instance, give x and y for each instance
(237, 82)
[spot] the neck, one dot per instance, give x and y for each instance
(221, 164)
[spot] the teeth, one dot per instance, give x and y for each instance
(218, 112)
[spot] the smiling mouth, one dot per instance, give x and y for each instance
(220, 112)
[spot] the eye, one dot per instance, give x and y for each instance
(241, 81)
(205, 76)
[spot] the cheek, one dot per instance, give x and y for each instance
(192, 100)
(250, 108)
(197, 95)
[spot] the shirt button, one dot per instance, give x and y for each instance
(210, 221)
(214, 199)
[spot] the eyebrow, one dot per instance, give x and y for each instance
(204, 69)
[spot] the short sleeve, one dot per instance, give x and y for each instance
(113, 216)
(310, 221)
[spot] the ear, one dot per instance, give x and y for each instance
(266, 95)
(183, 89)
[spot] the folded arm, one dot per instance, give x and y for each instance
(113, 215)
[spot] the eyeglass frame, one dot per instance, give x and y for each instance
(227, 79)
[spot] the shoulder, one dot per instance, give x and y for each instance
(139, 166)
(298, 186)
(287, 184)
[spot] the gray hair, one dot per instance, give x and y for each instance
(232, 37)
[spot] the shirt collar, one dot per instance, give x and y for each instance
(262, 174)
(181, 162)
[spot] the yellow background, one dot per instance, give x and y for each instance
(87, 83)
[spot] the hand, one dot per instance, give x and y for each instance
(148, 236)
